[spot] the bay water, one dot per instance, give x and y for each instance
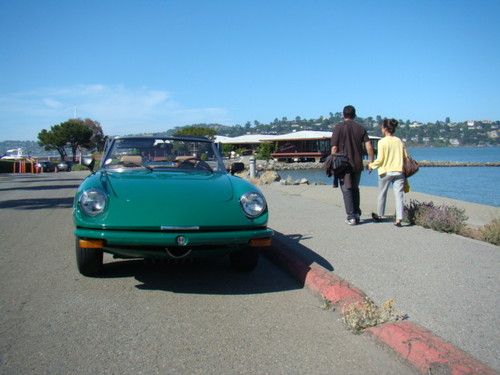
(471, 184)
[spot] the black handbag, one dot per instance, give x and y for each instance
(341, 165)
(337, 165)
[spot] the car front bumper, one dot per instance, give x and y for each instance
(152, 244)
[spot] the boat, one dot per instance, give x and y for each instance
(14, 154)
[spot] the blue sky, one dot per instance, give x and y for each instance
(149, 65)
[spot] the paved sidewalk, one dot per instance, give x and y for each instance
(446, 283)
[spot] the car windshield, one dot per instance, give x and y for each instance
(167, 154)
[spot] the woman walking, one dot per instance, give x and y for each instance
(389, 162)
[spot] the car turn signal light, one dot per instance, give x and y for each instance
(261, 242)
(91, 244)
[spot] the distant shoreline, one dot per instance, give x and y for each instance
(280, 166)
(428, 163)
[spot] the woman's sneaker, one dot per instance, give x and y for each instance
(377, 218)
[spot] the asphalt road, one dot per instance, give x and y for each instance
(141, 318)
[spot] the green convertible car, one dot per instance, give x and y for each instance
(167, 197)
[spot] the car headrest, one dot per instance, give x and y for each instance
(131, 159)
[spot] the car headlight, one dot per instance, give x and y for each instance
(253, 204)
(93, 202)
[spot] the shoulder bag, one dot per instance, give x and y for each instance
(410, 166)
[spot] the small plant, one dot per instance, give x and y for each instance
(240, 151)
(227, 148)
(491, 232)
(326, 304)
(359, 316)
(449, 219)
(79, 167)
(264, 151)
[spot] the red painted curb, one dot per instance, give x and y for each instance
(422, 349)
(328, 285)
(426, 351)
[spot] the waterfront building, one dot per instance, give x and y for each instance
(247, 144)
(300, 146)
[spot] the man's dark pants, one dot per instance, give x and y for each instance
(350, 191)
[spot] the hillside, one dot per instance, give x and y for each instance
(470, 133)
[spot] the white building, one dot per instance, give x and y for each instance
(493, 134)
(304, 145)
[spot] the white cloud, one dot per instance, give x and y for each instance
(119, 109)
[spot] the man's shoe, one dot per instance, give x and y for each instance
(350, 221)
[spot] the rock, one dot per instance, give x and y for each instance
(304, 181)
(289, 181)
(269, 177)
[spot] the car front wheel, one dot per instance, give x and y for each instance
(89, 261)
(244, 260)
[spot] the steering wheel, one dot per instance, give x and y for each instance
(194, 163)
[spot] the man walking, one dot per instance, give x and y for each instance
(348, 138)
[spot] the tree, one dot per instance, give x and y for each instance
(77, 134)
(98, 138)
(72, 133)
(197, 131)
(53, 139)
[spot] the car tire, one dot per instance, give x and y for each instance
(89, 261)
(244, 260)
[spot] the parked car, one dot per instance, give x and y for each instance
(46, 166)
(64, 166)
(170, 198)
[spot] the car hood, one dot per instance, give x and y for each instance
(152, 200)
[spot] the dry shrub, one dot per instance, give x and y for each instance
(471, 232)
(488, 233)
(491, 232)
(411, 210)
(449, 219)
(359, 316)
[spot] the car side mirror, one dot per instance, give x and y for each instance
(237, 168)
(89, 163)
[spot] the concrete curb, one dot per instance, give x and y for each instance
(426, 352)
